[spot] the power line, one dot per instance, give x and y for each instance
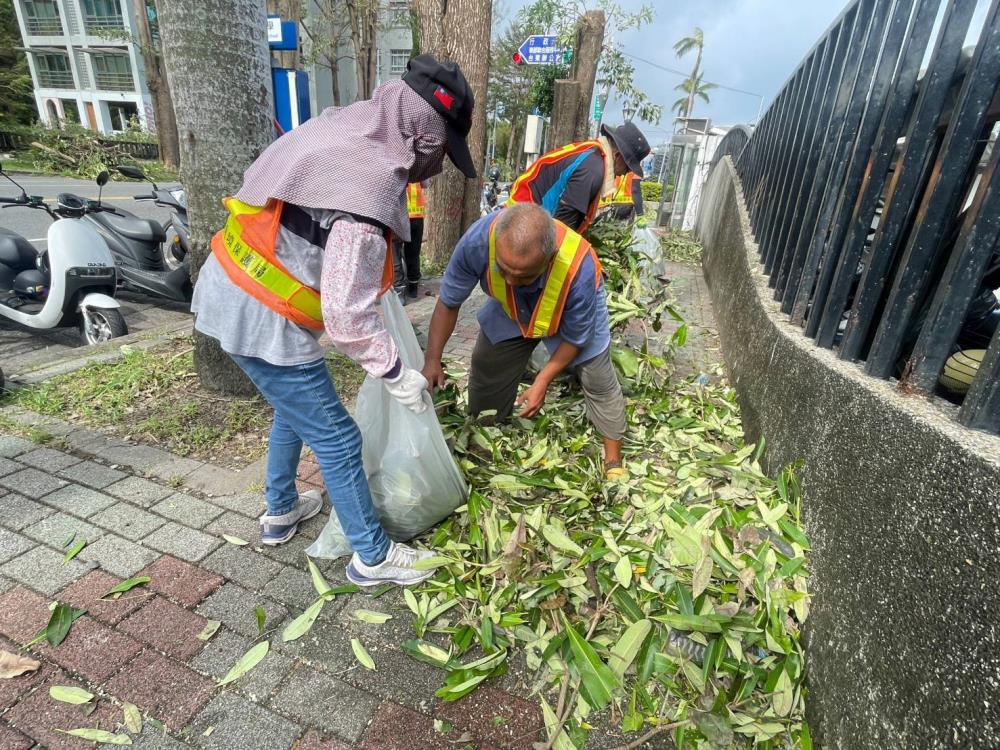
(688, 75)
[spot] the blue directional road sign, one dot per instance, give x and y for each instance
(541, 50)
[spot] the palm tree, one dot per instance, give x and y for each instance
(694, 42)
(692, 88)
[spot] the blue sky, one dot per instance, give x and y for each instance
(749, 44)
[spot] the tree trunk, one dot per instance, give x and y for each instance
(565, 107)
(457, 30)
(216, 57)
(159, 89)
(363, 15)
(694, 85)
(590, 42)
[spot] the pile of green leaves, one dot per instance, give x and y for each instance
(668, 602)
(680, 247)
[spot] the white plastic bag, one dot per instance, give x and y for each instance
(414, 480)
(647, 245)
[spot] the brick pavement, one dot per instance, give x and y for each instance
(309, 694)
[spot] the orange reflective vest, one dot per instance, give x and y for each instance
(571, 252)
(245, 248)
(624, 185)
(415, 202)
(574, 153)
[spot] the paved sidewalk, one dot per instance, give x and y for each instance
(144, 512)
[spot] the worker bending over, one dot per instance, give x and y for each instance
(544, 282)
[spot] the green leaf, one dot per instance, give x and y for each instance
(348, 588)
(248, 661)
(429, 563)
(624, 652)
(319, 582)
(623, 571)
(304, 622)
(714, 728)
(126, 585)
(626, 360)
(210, 629)
(427, 653)
(261, 618)
(59, 624)
(361, 654)
(98, 735)
(599, 682)
(461, 689)
(133, 719)
(66, 694)
(558, 539)
(375, 618)
(562, 741)
(74, 550)
(691, 622)
(782, 697)
(235, 540)
(69, 540)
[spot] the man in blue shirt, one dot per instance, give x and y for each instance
(528, 249)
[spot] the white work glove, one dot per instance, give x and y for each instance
(408, 388)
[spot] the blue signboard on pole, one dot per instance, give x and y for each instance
(542, 50)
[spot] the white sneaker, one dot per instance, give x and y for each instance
(279, 529)
(396, 568)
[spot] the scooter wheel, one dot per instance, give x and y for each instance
(98, 326)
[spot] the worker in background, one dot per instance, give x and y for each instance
(306, 249)
(626, 202)
(544, 283)
(570, 181)
(407, 254)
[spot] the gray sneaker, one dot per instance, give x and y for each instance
(396, 568)
(279, 529)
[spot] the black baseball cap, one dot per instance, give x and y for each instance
(442, 85)
(631, 144)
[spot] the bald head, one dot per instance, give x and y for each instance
(525, 243)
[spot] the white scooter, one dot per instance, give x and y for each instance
(71, 283)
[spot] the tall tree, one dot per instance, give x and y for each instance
(217, 61)
(17, 105)
(328, 31)
(364, 16)
(693, 88)
(457, 30)
(695, 42)
(156, 81)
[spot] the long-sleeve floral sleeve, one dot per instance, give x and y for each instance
(352, 276)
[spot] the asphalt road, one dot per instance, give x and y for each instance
(22, 348)
(34, 224)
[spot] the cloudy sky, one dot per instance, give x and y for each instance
(749, 44)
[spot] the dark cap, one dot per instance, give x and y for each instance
(631, 144)
(442, 85)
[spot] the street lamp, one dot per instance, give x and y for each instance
(628, 110)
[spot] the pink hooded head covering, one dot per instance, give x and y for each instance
(357, 159)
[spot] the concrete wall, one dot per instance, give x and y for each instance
(902, 506)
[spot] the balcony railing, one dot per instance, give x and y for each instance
(115, 82)
(43, 26)
(95, 24)
(56, 79)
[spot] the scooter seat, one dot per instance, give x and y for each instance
(144, 230)
(16, 252)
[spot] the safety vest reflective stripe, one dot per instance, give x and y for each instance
(571, 252)
(520, 191)
(245, 248)
(415, 201)
(623, 191)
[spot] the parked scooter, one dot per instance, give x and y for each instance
(137, 247)
(177, 244)
(70, 283)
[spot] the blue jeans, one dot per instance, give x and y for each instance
(308, 410)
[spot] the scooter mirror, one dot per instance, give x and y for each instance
(102, 178)
(129, 171)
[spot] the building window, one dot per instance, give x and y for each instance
(54, 71)
(397, 62)
(399, 13)
(41, 17)
(113, 73)
(102, 14)
(123, 116)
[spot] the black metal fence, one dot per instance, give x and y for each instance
(871, 192)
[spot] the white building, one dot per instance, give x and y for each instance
(393, 48)
(83, 66)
